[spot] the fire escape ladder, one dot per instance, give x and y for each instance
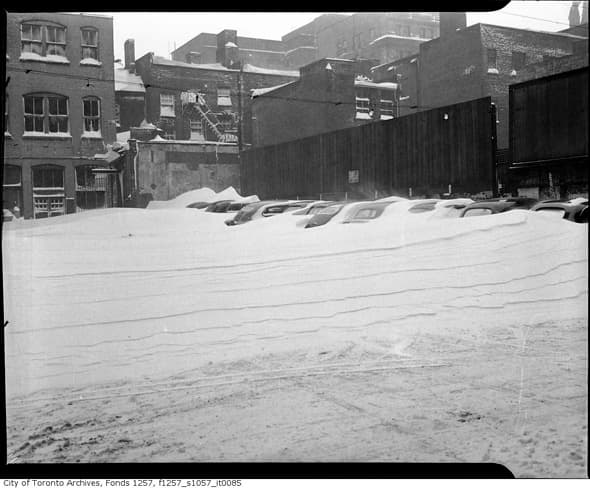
(210, 118)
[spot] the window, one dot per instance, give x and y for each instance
(89, 43)
(91, 115)
(90, 188)
(196, 130)
(363, 105)
(56, 41)
(386, 109)
(46, 114)
(491, 59)
(223, 97)
(12, 190)
(43, 40)
(518, 60)
(169, 134)
(423, 33)
(166, 105)
(31, 39)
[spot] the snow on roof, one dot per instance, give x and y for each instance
(202, 195)
(123, 137)
(261, 91)
(230, 44)
(386, 85)
(248, 68)
(391, 37)
(126, 81)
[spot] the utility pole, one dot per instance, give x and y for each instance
(240, 108)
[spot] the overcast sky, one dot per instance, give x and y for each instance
(160, 31)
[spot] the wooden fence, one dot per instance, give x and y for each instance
(426, 153)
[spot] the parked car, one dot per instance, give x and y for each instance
(220, 206)
(329, 212)
(364, 212)
(267, 208)
(313, 207)
(488, 207)
(424, 206)
(576, 212)
(198, 205)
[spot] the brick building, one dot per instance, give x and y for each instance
(330, 94)
(204, 48)
(382, 36)
(472, 62)
(59, 114)
(129, 92)
(205, 101)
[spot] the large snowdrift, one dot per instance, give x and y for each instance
(202, 195)
(138, 295)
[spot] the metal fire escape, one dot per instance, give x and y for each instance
(197, 102)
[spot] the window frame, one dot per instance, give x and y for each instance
(93, 118)
(43, 42)
(171, 105)
(46, 115)
(492, 54)
(84, 45)
(223, 99)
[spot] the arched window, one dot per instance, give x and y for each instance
(91, 114)
(89, 43)
(46, 114)
(43, 39)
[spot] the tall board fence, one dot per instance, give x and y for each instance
(426, 153)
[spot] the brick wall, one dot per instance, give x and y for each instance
(162, 78)
(71, 79)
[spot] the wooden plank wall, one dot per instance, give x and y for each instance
(422, 151)
(549, 117)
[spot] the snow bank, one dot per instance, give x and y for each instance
(201, 195)
(138, 295)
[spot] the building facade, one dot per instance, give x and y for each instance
(205, 102)
(472, 62)
(330, 94)
(383, 36)
(59, 113)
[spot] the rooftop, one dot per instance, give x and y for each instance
(248, 68)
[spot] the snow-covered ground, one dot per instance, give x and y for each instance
(404, 339)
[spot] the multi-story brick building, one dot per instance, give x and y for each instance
(207, 102)
(59, 115)
(465, 63)
(330, 94)
(383, 36)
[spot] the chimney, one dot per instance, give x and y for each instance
(129, 48)
(193, 57)
(574, 17)
(450, 22)
(228, 53)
